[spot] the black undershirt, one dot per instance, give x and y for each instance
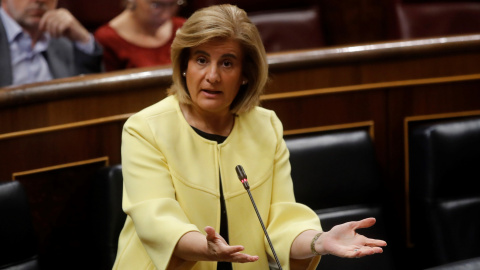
(223, 218)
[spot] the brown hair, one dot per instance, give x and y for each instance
(222, 22)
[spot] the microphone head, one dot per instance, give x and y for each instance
(240, 172)
(242, 176)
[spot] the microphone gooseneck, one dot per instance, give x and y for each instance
(242, 176)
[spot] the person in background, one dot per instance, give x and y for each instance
(186, 208)
(141, 35)
(39, 42)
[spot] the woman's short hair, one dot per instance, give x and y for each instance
(222, 22)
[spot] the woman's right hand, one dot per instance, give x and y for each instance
(220, 250)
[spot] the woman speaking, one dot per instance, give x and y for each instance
(186, 207)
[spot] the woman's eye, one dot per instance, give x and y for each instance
(201, 60)
(227, 63)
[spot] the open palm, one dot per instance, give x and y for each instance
(343, 240)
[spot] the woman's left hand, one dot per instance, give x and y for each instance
(343, 240)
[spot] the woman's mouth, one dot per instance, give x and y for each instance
(211, 92)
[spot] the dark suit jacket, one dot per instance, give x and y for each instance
(62, 57)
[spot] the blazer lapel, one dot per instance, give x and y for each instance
(5, 60)
(59, 57)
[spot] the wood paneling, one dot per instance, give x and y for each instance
(60, 211)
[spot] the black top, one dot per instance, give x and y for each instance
(223, 219)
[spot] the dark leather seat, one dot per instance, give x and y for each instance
(423, 19)
(469, 264)
(18, 242)
(289, 29)
(283, 25)
(93, 14)
(108, 217)
(336, 174)
(444, 158)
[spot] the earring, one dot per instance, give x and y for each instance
(244, 82)
(184, 74)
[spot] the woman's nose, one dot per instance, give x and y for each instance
(212, 75)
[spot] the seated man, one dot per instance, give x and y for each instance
(39, 42)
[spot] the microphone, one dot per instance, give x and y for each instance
(242, 176)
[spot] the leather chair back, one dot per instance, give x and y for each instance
(18, 242)
(108, 217)
(469, 264)
(253, 5)
(444, 158)
(424, 19)
(283, 25)
(289, 29)
(336, 174)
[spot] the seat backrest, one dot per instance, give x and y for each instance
(424, 19)
(340, 166)
(18, 242)
(283, 25)
(336, 174)
(468, 264)
(108, 217)
(444, 158)
(289, 29)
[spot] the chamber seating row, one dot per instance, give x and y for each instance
(304, 24)
(18, 242)
(444, 188)
(428, 18)
(336, 174)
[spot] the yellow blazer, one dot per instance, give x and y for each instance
(171, 187)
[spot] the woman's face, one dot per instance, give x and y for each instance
(155, 12)
(214, 75)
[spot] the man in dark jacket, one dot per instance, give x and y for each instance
(39, 42)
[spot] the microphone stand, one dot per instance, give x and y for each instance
(242, 176)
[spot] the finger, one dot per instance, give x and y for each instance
(364, 223)
(48, 23)
(41, 24)
(244, 258)
(60, 28)
(365, 251)
(354, 253)
(211, 234)
(375, 243)
(58, 24)
(232, 250)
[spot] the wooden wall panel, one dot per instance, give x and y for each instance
(58, 198)
(52, 146)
